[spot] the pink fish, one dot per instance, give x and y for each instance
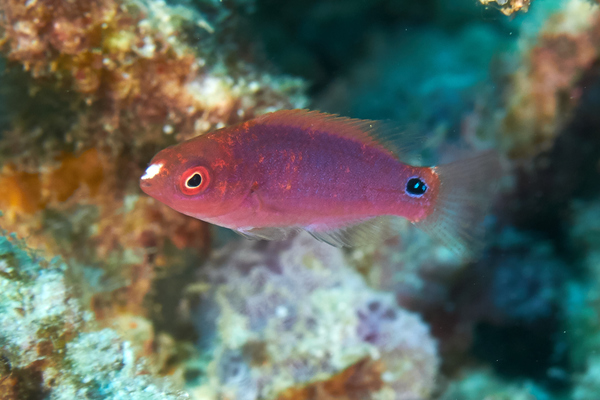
(331, 176)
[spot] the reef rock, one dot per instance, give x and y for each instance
(295, 322)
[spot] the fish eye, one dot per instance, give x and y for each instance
(415, 187)
(194, 180)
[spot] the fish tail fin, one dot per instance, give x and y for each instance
(465, 195)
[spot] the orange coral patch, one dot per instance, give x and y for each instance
(21, 191)
(73, 173)
(25, 193)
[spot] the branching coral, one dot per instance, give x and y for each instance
(295, 320)
(47, 347)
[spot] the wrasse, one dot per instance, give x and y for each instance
(332, 176)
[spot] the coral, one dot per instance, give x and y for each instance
(543, 90)
(509, 6)
(411, 265)
(92, 91)
(27, 193)
(294, 321)
(138, 85)
(49, 347)
(132, 55)
(131, 65)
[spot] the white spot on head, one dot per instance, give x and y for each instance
(152, 171)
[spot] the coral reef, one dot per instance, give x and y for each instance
(412, 265)
(134, 69)
(105, 85)
(90, 90)
(544, 88)
(48, 346)
(295, 322)
(138, 85)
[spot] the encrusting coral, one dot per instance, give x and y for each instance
(49, 347)
(295, 322)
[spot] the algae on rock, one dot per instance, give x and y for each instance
(48, 345)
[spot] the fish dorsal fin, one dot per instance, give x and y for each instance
(385, 135)
(368, 231)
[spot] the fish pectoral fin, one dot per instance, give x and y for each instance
(260, 204)
(268, 233)
(354, 233)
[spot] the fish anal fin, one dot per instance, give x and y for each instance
(356, 233)
(268, 233)
(400, 141)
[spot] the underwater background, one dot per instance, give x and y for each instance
(106, 293)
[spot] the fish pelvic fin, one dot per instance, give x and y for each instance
(466, 191)
(269, 233)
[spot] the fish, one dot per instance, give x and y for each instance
(337, 178)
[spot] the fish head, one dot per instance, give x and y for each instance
(197, 178)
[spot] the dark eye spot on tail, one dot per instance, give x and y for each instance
(194, 181)
(415, 187)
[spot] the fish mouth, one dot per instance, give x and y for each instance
(149, 176)
(152, 171)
